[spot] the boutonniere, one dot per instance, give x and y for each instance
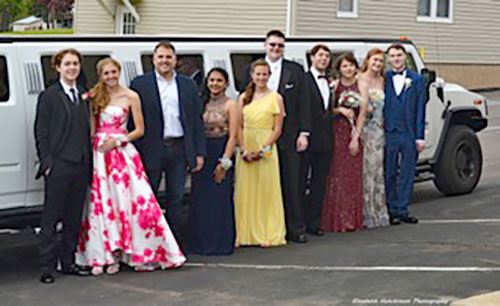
(332, 84)
(86, 96)
(407, 83)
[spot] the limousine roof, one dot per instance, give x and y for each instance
(151, 38)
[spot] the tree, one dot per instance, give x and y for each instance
(55, 8)
(16, 9)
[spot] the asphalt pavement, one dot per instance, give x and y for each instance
(452, 254)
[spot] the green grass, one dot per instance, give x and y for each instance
(63, 31)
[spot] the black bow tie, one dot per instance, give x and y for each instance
(400, 72)
(322, 76)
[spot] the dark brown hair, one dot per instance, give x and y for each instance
(250, 89)
(99, 94)
(370, 54)
(56, 59)
(396, 46)
(165, 44)
(347, 56)
(318, 47)
(277, 33)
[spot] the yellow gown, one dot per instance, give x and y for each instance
(259, 214)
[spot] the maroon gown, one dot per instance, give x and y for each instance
(343, 202)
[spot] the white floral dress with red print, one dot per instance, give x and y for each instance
(123, 221)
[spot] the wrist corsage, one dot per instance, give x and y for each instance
(265, 152)
(225, 162)
(121, 141)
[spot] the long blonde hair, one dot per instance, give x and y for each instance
(99, 93)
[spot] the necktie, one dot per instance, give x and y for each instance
(322, 76)
(399, 72)
(74, 96)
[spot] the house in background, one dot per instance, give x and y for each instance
(31, 23)
(457, 38)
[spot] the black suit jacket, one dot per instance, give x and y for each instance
(190, 107)
(321, 138)
(52, 124)
(297, 107)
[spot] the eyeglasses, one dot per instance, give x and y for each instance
(274, 45)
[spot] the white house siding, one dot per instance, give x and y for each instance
(219, 17)
(92, 18)
(469, 42)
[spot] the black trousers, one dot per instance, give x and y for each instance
(290, 187)
(174, 166)
(314, 170)
(65, 191)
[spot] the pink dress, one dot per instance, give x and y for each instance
(123, 221)
(343, 201)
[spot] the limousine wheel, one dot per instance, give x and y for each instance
(460, 164)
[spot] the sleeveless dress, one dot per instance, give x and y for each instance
(123, 221)
(260, 218)
(211, 211)
(343, 202)
(375, 207)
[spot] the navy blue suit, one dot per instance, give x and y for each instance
(404, 124)
(173, 158)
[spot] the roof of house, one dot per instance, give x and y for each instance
(27, 20)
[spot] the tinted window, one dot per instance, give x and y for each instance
(87, 78)
(240, 62)
(4, 80)
(187, 64)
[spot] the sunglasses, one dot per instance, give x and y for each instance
(274, 45)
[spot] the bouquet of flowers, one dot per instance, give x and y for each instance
(350, 99)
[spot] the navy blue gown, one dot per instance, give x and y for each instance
(211, 213)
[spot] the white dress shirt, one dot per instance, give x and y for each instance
(67, 90)
(323, 86)
(274, 79)
(399, 82)
(169, 96)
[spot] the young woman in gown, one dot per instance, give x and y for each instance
(371, 85)
(211, 212)
(258, 202)
(123, 222)
(343, 202)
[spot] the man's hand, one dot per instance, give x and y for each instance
(200, 160)
(302, 143)
(420, 145)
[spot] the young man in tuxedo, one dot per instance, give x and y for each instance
(62, 135)
(287, 78)
(404, 114)
(174, 139)
(316, 160)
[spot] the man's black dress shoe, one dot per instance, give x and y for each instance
(317, 232)
(394, 221)
(409, 219)
(75, 270)
(301, 238)
(47, 278)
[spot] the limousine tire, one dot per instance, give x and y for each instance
(460, 163)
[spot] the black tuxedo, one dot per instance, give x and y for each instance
(62, 135)
(297, 119)
(316, 161)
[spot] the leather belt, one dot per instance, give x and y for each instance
(168, 141)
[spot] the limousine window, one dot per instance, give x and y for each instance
(88, 76)
(187, 64)
(4, 80)
(240, 62)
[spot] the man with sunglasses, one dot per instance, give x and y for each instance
(287, 78)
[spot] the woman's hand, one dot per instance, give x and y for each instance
(348, 113)
(108, 144)
(219, 174)
(354, 146)
(251, 156)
